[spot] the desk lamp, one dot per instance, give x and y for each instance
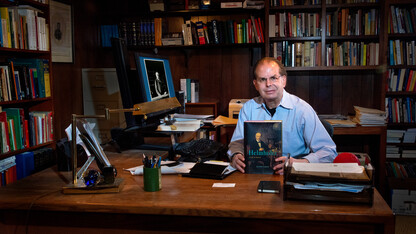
(91, 143)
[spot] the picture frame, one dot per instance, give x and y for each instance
(155, 77)
(61, 31)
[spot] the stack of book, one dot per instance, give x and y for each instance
(409, 136)
(253, 4)
(395, 135)
(369, 116)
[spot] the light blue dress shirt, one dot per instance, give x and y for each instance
(303, 132)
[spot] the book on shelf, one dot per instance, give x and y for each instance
(34, 64)
(5, 137)
(187, 33)
(200, 32)
(15, 116)
(231, 4)
(262, 144)
(25, 164)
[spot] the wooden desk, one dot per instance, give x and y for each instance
(183, 204)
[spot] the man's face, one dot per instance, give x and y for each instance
(268, 81)
(258, 135)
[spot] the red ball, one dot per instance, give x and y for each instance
(347, 158)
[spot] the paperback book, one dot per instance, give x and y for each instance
(262, 144)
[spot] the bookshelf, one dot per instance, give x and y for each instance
(333, 52)
(26, 53)
(400, 93)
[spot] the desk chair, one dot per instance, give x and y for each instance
(328, 127)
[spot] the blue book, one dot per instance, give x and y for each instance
(391, 48)
(24, 164)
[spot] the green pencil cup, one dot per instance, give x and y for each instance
(152, 179)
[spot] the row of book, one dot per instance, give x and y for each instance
(24, 164)
(276, 3)
(401, 52)
(350, 1)
(401, 110)
(190, 87)
(8, 173)
(23, 27)
(294, 25)
(401, 20)
(346, 22)
(306, 54)
(138, 33)
(22, 78)
(21, 130)
(400, 136)
(352, 54)
(401, 80)
(223, 32)
(401, 170)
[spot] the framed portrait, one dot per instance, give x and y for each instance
(61, 32)
(155, 77)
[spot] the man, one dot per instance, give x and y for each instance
(303, 132)
(258, 144)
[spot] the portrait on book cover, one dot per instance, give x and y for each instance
(263, 143)
(155, 77)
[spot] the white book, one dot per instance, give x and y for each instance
(272, 25)
(282, 22)
(30, 14)
(398, 52)
(183, 87)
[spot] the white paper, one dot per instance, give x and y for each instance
(328, 167)
(223, 185)
(182, 168)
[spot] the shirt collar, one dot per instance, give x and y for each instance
(286, 101)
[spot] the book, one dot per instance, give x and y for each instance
(5, 139)
(231, 4)
(268, 187)
(262, 144)
(16, 115)
(200, 32)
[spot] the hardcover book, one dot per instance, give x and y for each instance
(262, 144)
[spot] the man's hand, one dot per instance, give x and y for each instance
(280, 162)
(238, 162)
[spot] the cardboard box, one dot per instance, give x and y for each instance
(234, 107)
(403, 201)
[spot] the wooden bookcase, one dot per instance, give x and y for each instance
(45, 103)
(400, 99)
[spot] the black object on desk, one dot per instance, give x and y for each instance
(208, 171)
(268, 187)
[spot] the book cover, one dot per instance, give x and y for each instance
(5, 132)
(200, 32)
(262, 144)
(15, 114)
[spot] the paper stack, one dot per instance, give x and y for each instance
(369, 116)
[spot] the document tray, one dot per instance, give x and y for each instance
(290, 192)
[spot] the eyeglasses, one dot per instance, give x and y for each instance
(271, 79)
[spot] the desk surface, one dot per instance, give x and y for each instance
(186, 197)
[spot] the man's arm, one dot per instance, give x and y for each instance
(323, 148)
